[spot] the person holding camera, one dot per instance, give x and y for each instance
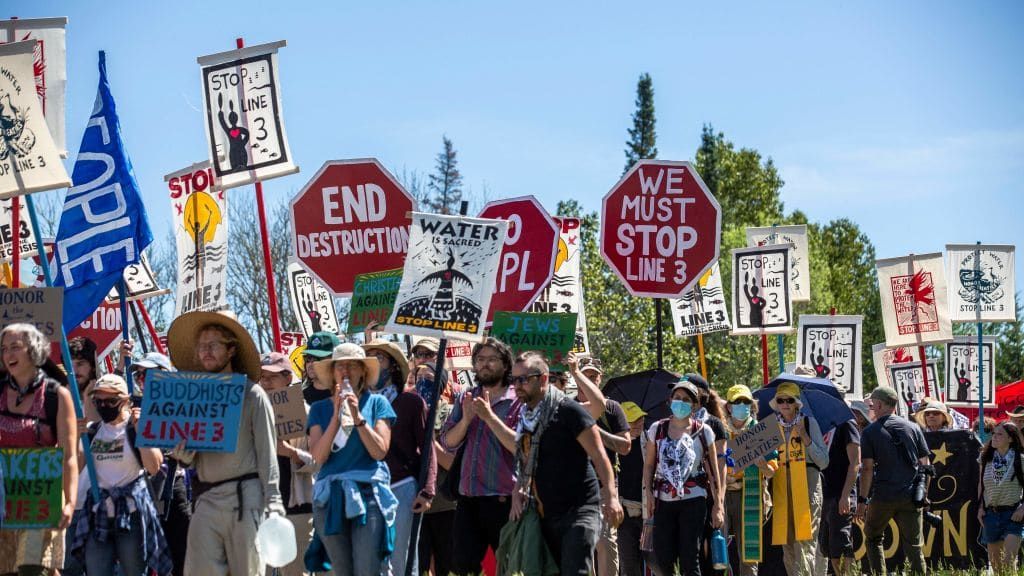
(895, 467)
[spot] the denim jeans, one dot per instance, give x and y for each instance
(406, 491)
(72, 567)
(128, 548)
(356, 549)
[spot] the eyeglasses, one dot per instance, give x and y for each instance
(211, 346)
(424, 354)
(107, 402)
(517, 380)
(487, 360)
(785, 400)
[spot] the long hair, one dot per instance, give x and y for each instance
(712, 402)
(1016, 442)
(503, 351)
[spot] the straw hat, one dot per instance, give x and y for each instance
(932, 405)
(184, 334)
(348, 351)
(392, 350)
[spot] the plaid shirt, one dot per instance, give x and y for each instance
(488, 469)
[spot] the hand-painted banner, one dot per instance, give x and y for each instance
(201, 231)
(103, 327)
(564, 293)
(244, 125)
(293, 345)
(915, 310)
(883, 357)
(373, 299)
(289, 412)
(799, 256)
(962, 371)
(832, 346)
(552, 334)
(140, 283)
(703, 309)
(202, 409)
(312, 304)
(756, 442)
(48, 66)
(458, 355)
(908, 380)
(981, 283)
(448, 277)
(26, 236)
(33, 487)
(29, 160)
(41, 307)
(761, 291)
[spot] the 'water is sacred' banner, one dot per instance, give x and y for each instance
(373, 298)
(913, 292)
(832, 345)
(201, 231)
(703, 309)
(202, 409)
(33, 486)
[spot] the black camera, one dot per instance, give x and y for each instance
(919, 490)
(934, 520)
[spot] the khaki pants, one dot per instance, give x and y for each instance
(218, 542)
(734, 525)
(798, 556)
(607, 550)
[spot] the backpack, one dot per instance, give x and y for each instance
(154, 483)
(51, 402)
(696, 427)
(130, 432)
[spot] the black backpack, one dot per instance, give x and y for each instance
(51, 402)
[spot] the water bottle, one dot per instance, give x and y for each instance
(345, 414)
(275, 541)
(719, 551)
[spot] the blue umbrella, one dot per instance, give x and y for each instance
(820, 397)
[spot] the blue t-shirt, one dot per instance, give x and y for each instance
(353, 456)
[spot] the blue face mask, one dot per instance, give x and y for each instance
(740, 411)
(681, 409)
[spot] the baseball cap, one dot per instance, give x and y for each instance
(685, 384)
(110, 383)
(633, 411)
(155, 360)
(738, 392)
(275, 362)
(591, 363)
(884, 394)
(321, 344)
(429, 343)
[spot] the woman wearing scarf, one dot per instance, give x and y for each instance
(349, 434)
(679, 478)
(796, 486)
(36, 412)
(1002, 511)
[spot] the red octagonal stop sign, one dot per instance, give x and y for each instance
(351, 218)
(660, 228)
(528, 257)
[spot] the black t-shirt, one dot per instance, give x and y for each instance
(614, 422)
(565, 479)
(891, 441)
(631, 472)
(834, 476)
(312, 394)
(717, 428)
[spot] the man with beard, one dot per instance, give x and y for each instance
(481, 431)
(83, 362)
(234, 490)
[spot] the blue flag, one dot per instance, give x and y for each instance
(103, 228)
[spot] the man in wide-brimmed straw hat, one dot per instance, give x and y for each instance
(235, 490)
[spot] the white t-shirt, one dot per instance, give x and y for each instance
(691, 490)
(116, 464)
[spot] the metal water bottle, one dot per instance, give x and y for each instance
(719, 551)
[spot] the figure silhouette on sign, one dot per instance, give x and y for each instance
(237, 136)
(756, 303)
(444, 299)
(963, 383)
(820, 369)
(312, 313)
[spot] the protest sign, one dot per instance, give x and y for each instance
(293, 345)
(908, 380)
(552, 334)
(139, 282)
(760, 291)
(33, 487)
(40, 307)
(458, 355)
(702, 310)
(756, 442)
(29, 161)
(103, 327)
(448, 277)
(244, 124)
(565, 291)
(25, 236)
(201, 408)
(201, 234)
(799, 254)
(981, 283)
(962, 371)
(373, 298)
(832, 346)
(48, 67)
(289, 412)
(883, 357)
(312, 304)
(915, 310)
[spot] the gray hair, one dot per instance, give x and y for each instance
(37, 343)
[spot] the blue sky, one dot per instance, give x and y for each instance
(906, 117)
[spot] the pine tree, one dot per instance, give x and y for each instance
(642, 137)
(446, 182)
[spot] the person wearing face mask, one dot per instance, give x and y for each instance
(679, 480)
(631, 480)
(122, 527)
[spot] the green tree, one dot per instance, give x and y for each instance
(446, 181)
(642, 136)
(1010, 347)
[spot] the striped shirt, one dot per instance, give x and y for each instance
(1002, 488)
(488, 469)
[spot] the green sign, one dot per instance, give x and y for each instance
(33, 481)
(373, 298)
(552, 334)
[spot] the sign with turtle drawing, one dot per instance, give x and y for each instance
(448, 277)
(962, 371)
(761, 290)
(981, 283)
(832, 346)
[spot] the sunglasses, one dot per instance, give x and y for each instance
(785, 400)
(747, 402)
(424, 354)
(517, 380)
(107, 402)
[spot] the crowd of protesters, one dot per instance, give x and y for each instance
(531, 465)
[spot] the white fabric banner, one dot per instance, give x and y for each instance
(981, 283)
(448, 278)
(29, 162)
(962, 371)
(244, 122)
(909, 383)
(201, 230)
(799, 256)
(26, 236)
(832, 346)
(564, 294)
(760, 291)
(703, 309)
(312, 304)
(915, 310)
(49, 68)
(883, 357)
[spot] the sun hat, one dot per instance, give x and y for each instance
(110, 383)
(348, 351)
(738, 392)
(633, 411)
(183, 336)
(932, 405)
(321, 344)
(786, 389)
(862, 407)
(392, 350)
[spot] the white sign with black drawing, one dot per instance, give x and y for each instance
(799, 256)
(962, 371)
(981, 283)
(140, 283)
(883, 357)
(312, 304)
(48, 66)
(832, 346)
(702, 310)
(761, 291)
(908, 380)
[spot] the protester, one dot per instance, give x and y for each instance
(1001, 510)
(631, 493)
(319, 346)
(1016, 416)
(710, 413)
(122, 527)
(893, 455)
(796, 487)
(234, 491)
(295, 465)
(481, 433)
(933, 416)
(862, 414)
(405, 451)
(349, 435)
(36, 412)
(83, 362)
(839, 497)
(556, 442)
(679, 478)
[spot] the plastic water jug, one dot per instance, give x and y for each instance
(275, 541)
(719, 551)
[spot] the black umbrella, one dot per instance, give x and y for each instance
(647, 389)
